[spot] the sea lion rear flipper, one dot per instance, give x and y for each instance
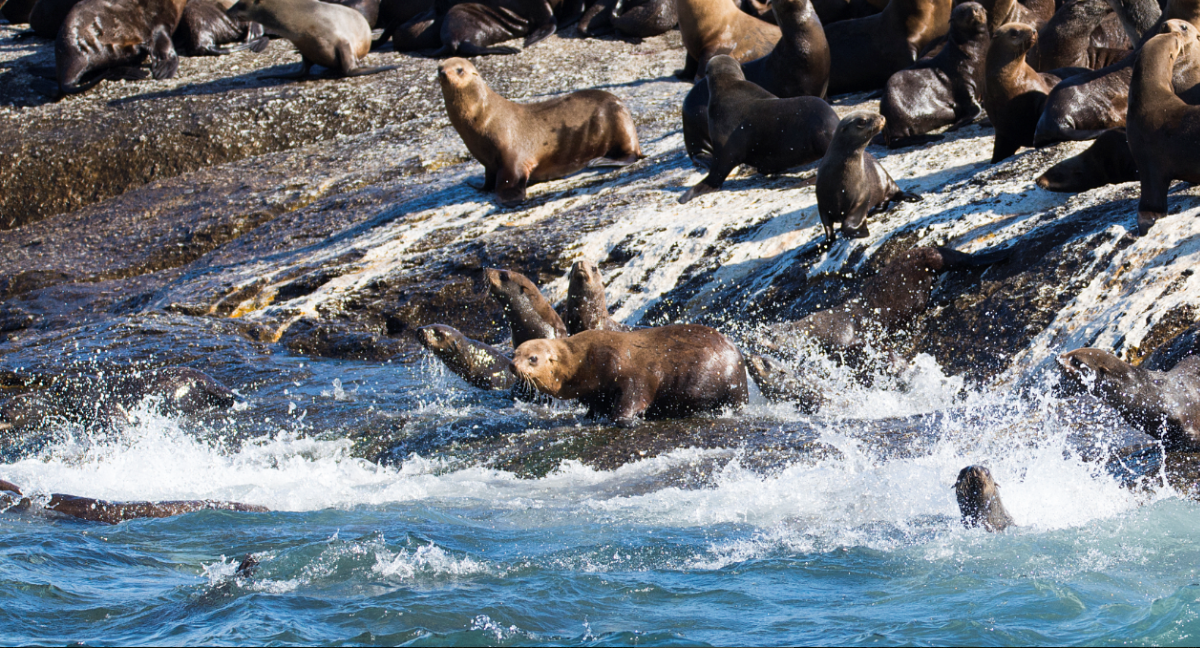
(610, 162)
(364, 71)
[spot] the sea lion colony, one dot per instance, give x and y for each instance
(1123, 73)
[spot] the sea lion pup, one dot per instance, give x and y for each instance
(108, 39)
(798, 66)
(778, 382)
(521, 144)
(664, 372)
(47, 17)
(979, 500)
(1163, 129)
(850, 182)
(1163, 404)
(943, 90)
(1014, 92)
(205, 30)
(586, 308)
(711, 27)
(94, 510)
(479, 364)
(865, 52)
(749, 125)
(529, 315)
(1107, 161)
(1065, 41)
(330, 35)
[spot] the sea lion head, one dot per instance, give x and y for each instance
(1011, 42)
(857, 128)
(1099, 372)
(725, 68)
(977, 495)
(584, 279)
(506, 285)
(439, 338)
(187, 390)
(1181, 27)
(968, 21)
(541, 363)
(462, 87)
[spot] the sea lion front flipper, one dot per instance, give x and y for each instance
(510, 185)
(164, 62)
(690, 66)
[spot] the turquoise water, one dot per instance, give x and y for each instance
(856, 549)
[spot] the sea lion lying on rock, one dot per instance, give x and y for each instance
(522, 144)
(109, 39)
(529, 315)
(637, 18)
(206, 30)
(1107, 161)
(979, 500)
(94, 510)
(474, 28)
(664, 372)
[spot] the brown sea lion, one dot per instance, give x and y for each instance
(1107, 161)
(749, 125)
(335, 37)
(865, 52)
(479, 364)
(205, 30)
(779, 382)
(586, 308)
(943, 90)
(664, 372)
(850, 182)
(1002, 12)
(103, 39)
(529, 315)
(521, 144)
(94, 510)
(47, 17)
(1065, 41)
(1163, 404)
(1163, 128)
(798, 66)
(1014, 92)
(979, 500)
(711, 27)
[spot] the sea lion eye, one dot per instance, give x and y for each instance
(533, 360)
(460, 70)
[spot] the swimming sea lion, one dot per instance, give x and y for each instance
(477, 363)
(103, 39)
(1163, 404)
(779, 382)
(865, 52)
(205, 29)
(749, 125)
(1107, 161)
(850, 182)
(979, 500)
(943, 90)
(711, 27)
(586, 308)
(1162, 127)
(1014, 92)
(521, 144)
(332, 36)
(47, 17)
(664, 372)
(1065, 41)
(798, 66)
(529, 315)
(94, 510)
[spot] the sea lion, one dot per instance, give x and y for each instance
(944, 90)
(749, 125)
(979, 500)
(779, 382)
(865, 52)
(664, 372)
(94, 510)
(798, 66)
(368, 8)
(473, 28)
(850, 182)
(529, 315)
(711, 27)
(1163, 404)
(205, 30)
(586, 308)
(479, 364)
(330, 35)
(17, 11)
(47, 17)
(1107, 161)
(1014, 92)
(103, 39)
(637, 18)
(521, 144)
(1162, 127)
(832, 11)
(1065, 41)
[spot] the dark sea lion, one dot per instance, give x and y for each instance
(1065, 41)
(865, 52)
(711, 27)
(396, 13)
(1107, 161)
(749, 125)
(521, 144)
(979, 500)
(47, 17)
(335, 37)
(1163, 128)
(94, 510)
(1163, 404)
(529, 315)
(779, 382)
(17, 11)
(474, 28)
(664, 372)
(637, 18)
(479, 364)
(832, 11)
(103, 39)
(1014, 92)
(205, 30)
(943, 90)
(1002, 12)
(798, 66)
(586, 308)
(850, 182)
